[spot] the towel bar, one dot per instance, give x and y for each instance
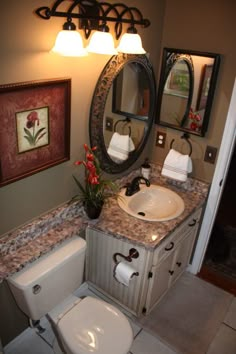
(185, 136)
(126, 121)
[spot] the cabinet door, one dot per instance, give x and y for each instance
(159, 282)
(181, 257)
(170, 266)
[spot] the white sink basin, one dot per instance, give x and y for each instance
(154, 203)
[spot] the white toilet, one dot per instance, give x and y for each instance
(83, 325)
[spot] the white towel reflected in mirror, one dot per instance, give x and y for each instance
(119, 147)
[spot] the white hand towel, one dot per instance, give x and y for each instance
(177, 166)
(120, 146)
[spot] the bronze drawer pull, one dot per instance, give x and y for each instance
(193, 223)
(171, 272)
(179, 264)
(171, 247)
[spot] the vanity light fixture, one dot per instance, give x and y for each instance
(93, 15)
(69, 41)
(131, 42)
(102, 42)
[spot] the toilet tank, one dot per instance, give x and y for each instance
(43, 284)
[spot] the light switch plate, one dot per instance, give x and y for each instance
(210, 154)
(109, 124)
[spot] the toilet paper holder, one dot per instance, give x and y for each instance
(133, 253)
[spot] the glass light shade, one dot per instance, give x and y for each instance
(131, 43)
(69, 44)
(102, 43)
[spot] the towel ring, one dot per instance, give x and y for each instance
(185, 136)
(127, 120)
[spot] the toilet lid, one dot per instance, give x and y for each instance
(94, 326)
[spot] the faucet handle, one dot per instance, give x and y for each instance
(146, 181)
(133, 187)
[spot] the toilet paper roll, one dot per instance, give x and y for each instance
(123, 273)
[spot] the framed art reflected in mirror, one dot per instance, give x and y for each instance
(187, 86)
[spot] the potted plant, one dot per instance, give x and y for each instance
(96, 189)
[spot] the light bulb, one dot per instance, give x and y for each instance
(69, 43)
(102, 43)
(131, 43)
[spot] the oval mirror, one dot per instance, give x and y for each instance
(122, 111)
(187, 85)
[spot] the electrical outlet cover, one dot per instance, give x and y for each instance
(161, 139)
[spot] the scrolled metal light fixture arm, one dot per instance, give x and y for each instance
(107, 13)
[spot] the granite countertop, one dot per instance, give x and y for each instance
(117, 223)
(29, 242)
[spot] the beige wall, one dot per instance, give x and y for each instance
(25, 43)
(205, 26)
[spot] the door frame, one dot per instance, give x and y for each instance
(217, 186)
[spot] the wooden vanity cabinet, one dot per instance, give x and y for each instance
(157, 269)
(171, 259)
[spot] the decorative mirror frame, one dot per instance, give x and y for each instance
(96, 123)
(169, 59)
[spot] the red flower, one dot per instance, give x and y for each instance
(90, 166)
(196, 118)
(32, 118)
(93, 179)
(193, 126)
(30, 124)
(95, 189)
(90, 157)
(77, 163)
(92, 176)
(86, 148)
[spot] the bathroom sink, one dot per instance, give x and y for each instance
(154, 203)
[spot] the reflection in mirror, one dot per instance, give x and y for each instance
(122, 111)
(187, 85)
(126, 134)
(131, 94)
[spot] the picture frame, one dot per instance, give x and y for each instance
(204, 86)
(35, 127)
(177, 83)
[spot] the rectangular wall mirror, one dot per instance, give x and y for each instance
(186, 89)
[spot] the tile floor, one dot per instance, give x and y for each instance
(30, 342)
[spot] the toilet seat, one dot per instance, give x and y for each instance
(94, 326)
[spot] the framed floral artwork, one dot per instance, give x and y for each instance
(32, 129)
(177, 83)
(204, 86)
(35, 127)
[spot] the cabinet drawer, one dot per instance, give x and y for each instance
(171, 242)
